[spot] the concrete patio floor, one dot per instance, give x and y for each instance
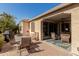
(39, 49)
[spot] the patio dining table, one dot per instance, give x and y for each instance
(19, 38)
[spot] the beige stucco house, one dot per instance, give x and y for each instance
(24, 27)
(63, 18)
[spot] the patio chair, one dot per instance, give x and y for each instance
(65, 37)
(17, 38)
(36, 36)
(22, 42)
(17, 41)
(32, 35)
(53, 35)
(25, 43)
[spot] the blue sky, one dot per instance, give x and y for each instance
(25, 10)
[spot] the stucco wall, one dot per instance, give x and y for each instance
(21, 27)
(26, 28)
(75, 31)
(37, 27)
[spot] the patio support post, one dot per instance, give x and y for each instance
(48, 28)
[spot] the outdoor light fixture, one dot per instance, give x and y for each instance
(66, 29)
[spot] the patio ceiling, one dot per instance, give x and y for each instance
(58, 16)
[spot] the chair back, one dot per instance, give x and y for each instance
(37, 36)
(17, 38)
(53, 35)
(65, 37)
(26, 41)
(33, 35)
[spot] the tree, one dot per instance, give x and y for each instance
(7, 21)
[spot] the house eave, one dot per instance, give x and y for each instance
(52, 10)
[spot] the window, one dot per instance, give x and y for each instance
(32, 27)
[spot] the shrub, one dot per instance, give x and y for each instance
(1, 40)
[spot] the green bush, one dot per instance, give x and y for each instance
(1, 40)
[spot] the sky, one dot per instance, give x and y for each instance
(25, 10)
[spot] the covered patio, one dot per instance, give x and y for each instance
(56, 29)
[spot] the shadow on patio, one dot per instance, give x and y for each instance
(35, 48)
(9, 47)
